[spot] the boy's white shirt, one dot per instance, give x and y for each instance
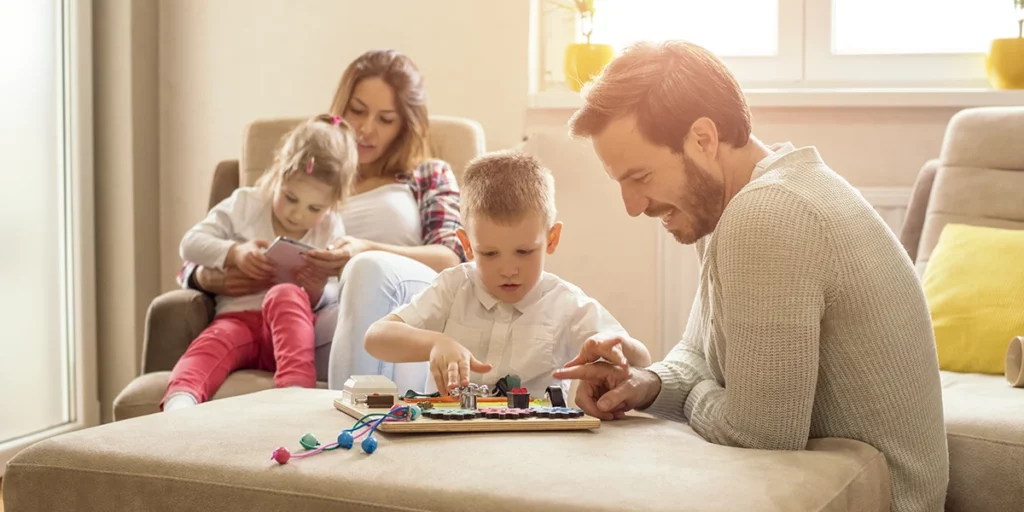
(242, 217)
(530, 338)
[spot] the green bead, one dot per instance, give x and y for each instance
(309, 441)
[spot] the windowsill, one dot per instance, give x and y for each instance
(838, 98)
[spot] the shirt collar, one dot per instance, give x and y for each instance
(781, 151)
(778, 151)
(487, 300)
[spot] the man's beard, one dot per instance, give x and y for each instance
(699, 201)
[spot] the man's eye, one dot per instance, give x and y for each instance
(526, 251)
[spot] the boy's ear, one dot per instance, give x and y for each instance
(464, 239)
(554, 235)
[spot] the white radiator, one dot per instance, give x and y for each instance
(677, 266)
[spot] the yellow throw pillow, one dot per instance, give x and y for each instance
(974, 284)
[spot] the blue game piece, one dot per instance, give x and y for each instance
(345, 440)
(369, 445)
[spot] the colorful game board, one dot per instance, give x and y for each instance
(485, 418)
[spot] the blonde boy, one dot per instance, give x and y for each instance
(500, 313)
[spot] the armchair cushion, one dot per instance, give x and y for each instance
(455, 140)
(975, 291)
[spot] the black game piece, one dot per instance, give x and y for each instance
(555, 396)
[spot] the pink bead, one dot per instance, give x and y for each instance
(281, 455)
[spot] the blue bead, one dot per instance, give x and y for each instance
(345, 440)
(369, 445)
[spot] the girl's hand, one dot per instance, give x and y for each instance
(336, 256)
(313, 281)
(249, 258)
(450, 364)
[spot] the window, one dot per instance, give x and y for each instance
(806, 43)
(47, 371)
(734, 28)
(919, 26)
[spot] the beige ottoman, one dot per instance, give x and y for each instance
(217, 457)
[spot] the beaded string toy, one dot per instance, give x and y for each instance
(367, 424)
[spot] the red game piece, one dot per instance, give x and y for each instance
(281, 455)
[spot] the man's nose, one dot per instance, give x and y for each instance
(635, 203)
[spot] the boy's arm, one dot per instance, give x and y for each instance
(593, 325)
(408, 334)
(391, 339)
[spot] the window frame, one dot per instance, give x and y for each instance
(805, 57)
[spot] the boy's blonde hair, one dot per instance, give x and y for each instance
(323, 147)
(505, 186)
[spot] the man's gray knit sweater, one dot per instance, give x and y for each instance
(810, 322)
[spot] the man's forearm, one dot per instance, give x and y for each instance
(678, 373)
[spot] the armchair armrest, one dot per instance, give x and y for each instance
(173, 320)
(225, 181)
(913, 222)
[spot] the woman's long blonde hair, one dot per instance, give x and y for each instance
(409, 148)
(323, 147)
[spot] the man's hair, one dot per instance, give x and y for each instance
(667, 86)
(505, 186)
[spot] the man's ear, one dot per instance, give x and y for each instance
(464, 239)
(704, 134)
(554, 235)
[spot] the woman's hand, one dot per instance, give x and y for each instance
(249, 258)
(450, 364)
(231, 282)
(313, 281)
(336, 256)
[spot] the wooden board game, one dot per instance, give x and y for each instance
(524, 423)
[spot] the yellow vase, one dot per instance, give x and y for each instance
(585, 61)
(1005, 63)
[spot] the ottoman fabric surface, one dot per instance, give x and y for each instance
(216, 456)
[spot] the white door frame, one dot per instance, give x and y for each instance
(79, 250)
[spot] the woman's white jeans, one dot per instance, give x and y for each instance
(373, 285)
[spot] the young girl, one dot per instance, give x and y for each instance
(298, 198)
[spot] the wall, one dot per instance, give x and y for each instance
(606, 252)
(126, 186)
(225, 63)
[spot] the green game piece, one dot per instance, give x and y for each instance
(513, 381)
(309, 441)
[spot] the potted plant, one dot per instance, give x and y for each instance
(584, 61)
(1005, 60)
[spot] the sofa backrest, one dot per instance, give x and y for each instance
(455, 140)
(980, 176)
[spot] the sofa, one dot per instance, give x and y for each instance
(978, 179)
(177, 317)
